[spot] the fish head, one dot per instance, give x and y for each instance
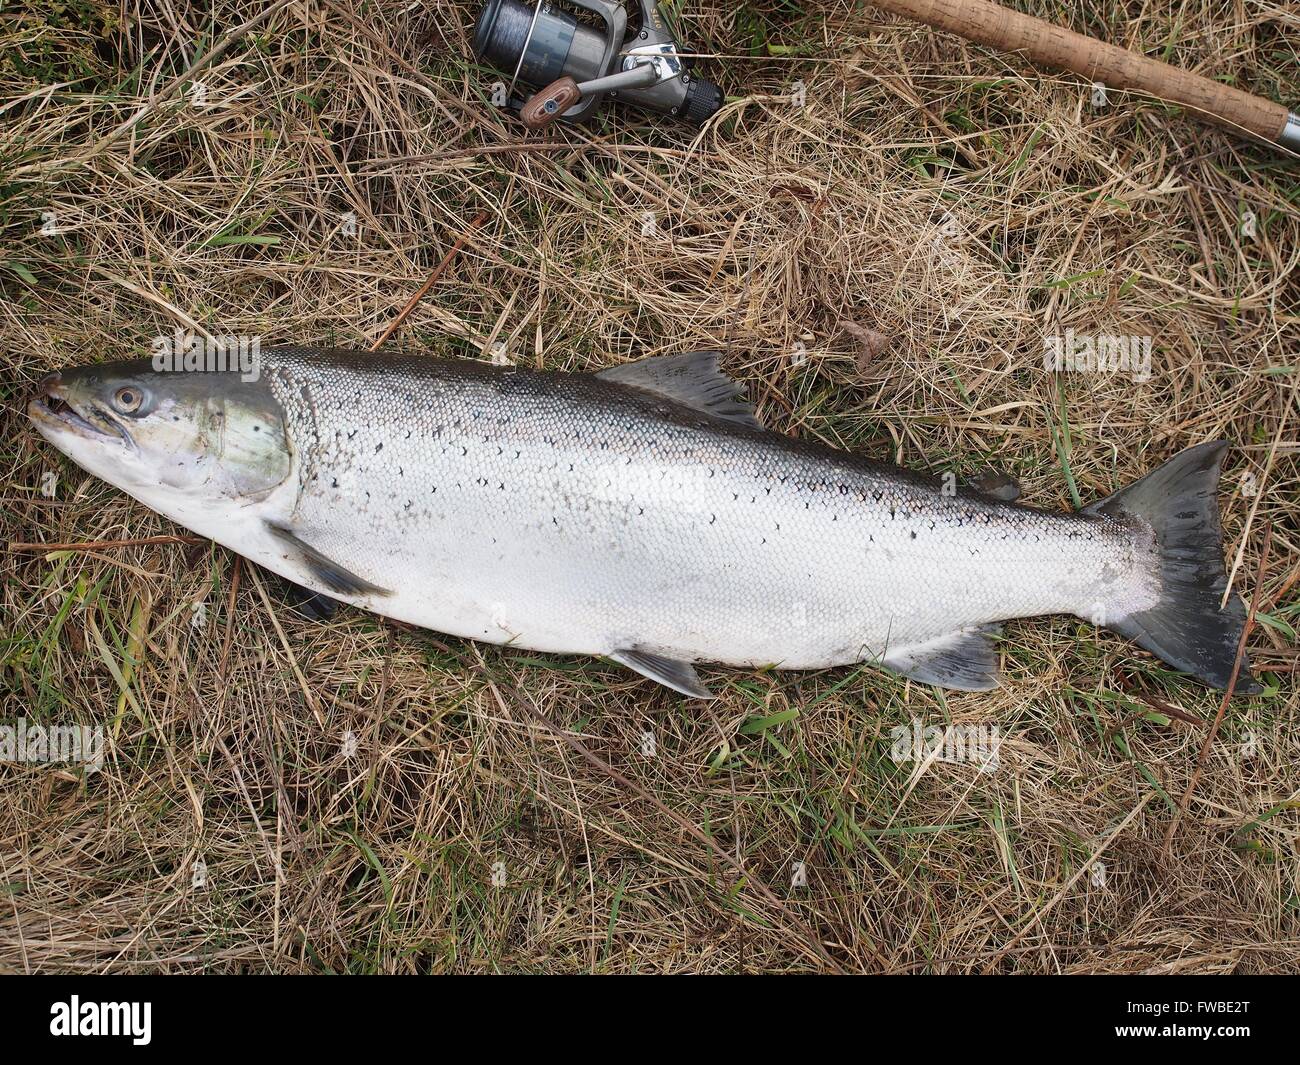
(206, 435)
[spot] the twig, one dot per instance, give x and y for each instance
(99, 545)
(236, 571)
(1037, 917)
(284, 642)
(479, 219)
(1210, 737)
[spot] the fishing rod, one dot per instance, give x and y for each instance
(1042, 42)
(575, 68)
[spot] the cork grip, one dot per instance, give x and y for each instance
(988, 23)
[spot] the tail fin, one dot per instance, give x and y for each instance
(1186, 628)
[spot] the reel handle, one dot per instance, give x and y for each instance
(548, 104)
(544, 107)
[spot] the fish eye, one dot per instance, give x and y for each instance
(128, 399)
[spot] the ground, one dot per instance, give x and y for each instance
(884, 230)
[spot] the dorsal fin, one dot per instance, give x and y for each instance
(996, 483)
(692, 379)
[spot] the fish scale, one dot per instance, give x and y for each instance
(562, 512)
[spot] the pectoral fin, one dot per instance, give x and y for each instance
(680, 676)
(308, 604)
(335, 577)
(965, 660)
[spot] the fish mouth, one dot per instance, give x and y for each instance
(51, 408)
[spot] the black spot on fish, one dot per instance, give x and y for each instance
(352, 434)
(912, 534)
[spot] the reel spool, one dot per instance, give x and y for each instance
(576, 68)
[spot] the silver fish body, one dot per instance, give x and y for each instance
(643, 514)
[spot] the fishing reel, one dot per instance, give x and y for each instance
(576, 68)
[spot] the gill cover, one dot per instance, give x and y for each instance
(251, 439)
(206, 434)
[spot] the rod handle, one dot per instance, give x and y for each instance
(993, 25)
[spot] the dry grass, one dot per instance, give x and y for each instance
(947, 198)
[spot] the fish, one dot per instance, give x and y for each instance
(641, 514)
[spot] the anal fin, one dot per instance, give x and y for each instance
(680, 676)
(335, 577)
(965, 660)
